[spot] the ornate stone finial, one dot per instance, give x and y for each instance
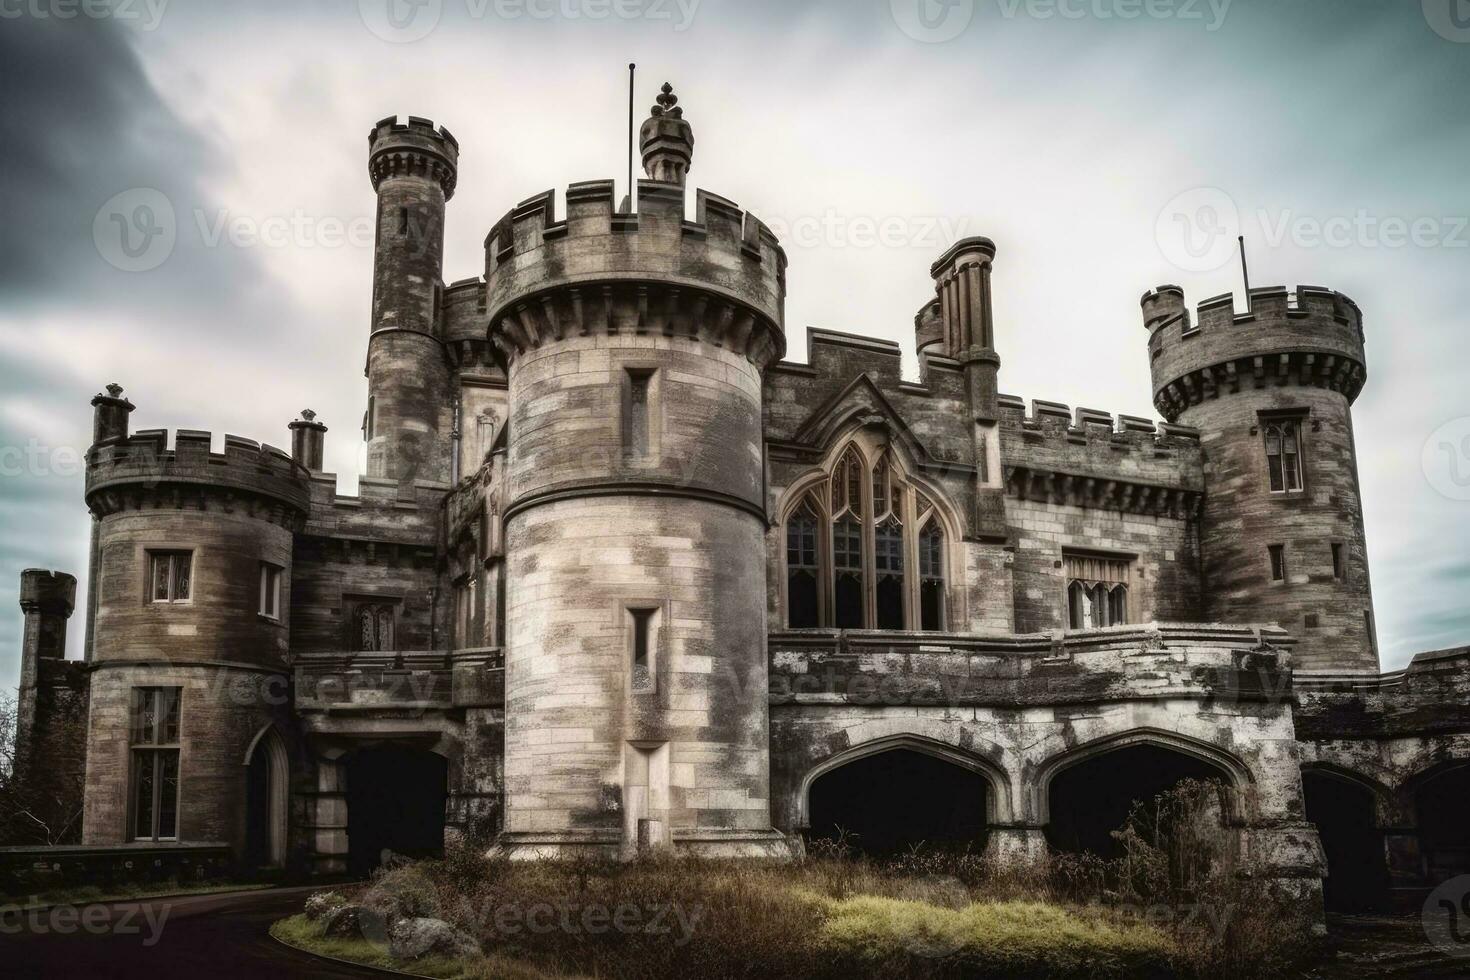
(667, 140)
(115, 390)
(308, 415)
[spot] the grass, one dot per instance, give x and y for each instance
(95, 894)
(301, 932)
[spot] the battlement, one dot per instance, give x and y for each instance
(1310, 336)
(45, 591)
(416, 148)
(1049, 419)
(725, 268)
(142, 464)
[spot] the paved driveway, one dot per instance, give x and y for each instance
(209, 937)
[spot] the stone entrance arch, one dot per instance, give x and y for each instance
(267, 799)
(1084, 794)
(1348, 811)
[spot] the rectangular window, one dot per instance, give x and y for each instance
(1097, 590)
(643, 624)
(1284, 455)
(1339, 563)
(637, 430)
(170, 575)
(1278, 562)
(155, 762)
(374, 626)
(270, 590)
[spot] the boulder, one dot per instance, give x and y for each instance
(345, 921)
(413, 939)
(321, 903)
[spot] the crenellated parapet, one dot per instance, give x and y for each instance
(1312, 337)
(415, 149)
(720, 278)
(1089, 459)
(140, 471)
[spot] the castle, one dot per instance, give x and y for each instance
(620, 577)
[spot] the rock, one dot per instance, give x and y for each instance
(321, 903)
(345, 921)
(413, 939)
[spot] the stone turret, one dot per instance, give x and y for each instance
(635, 519)
(409, 422)
(47, 600)
(1271, 390)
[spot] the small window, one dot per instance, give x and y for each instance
(155, 763)
(170, 575)
(931, 577)
(644, 625)
(402, 221)
(1278, 562)
(637, 435)
(375, 627)
(1284, 455)
(270, 590)
(1097, 591)
(1339, 563)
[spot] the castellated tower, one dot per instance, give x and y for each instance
(189, 667)
(409, 421)
(636, 673)
(1271, 391)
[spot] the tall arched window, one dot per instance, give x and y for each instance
(1284, 455)
(865, 559)
(931, 567)
(803, 574)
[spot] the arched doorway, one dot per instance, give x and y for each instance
(1090, 799)
(267, 782)
(395, 802)
(1345, 813)
(1442, 802)
(890, 801)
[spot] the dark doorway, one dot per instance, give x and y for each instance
(894, 800)
(395, 802)
(258, 811)
(1093, 798)
(1443, 805)
(1357, 869)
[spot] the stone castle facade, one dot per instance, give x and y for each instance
(619, 576)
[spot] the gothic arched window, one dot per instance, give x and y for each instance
(857, 574)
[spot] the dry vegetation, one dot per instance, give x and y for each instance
(1176, 905)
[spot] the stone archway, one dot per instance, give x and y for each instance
(396, 798)
(1087, 793)
(1345, 810)
(267, 800)
(1441, 798)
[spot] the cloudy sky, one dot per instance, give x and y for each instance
(1106, 145)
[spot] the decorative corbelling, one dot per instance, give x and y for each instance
(1318, 369)
(1102, 493)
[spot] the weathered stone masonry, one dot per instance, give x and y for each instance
(629, 580)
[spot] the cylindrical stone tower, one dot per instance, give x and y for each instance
(636, 674)
(190, 648)
(1271, 391)
(410, 415)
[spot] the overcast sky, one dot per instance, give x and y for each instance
(1106, 146)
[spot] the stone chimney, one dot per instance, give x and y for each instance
(308, 441)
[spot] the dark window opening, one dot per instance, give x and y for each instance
(1339, 565)
(847, 548)
(403, 223)
(803, 611)
(801, 598)
(931, 577)
(1278, 562)
(642, 623)
(849, 601)
(924, 801)
(1093, 798)
(888, 561)
(171, 574)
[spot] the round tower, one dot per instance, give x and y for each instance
(1271, 391)
(409, 421)
(636, 674)
(190, 646)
